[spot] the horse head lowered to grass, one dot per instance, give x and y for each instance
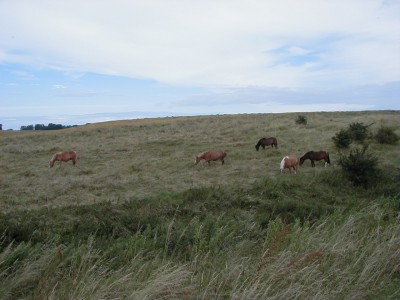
(272, 141)
(63, 156)
(212, 155)
(316, 155)
(290, 162)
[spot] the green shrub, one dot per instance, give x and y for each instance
(301, 120)
(360, 167)
(358, 131)
(386, 135)
(342, 139)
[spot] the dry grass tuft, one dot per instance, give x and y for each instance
(275, 244)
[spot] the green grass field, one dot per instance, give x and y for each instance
(136, 219)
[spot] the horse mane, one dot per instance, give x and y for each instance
(54, 157)
(201, 154)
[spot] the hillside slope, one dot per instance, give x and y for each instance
(136, 219)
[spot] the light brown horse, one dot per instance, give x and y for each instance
(290, 162)
(209, 156)
(63, 156)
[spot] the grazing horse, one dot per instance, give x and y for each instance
(267, 142)
(209, 156)
(316, 155)
(63, 156)
(290, 162)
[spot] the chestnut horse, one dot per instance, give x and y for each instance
(316, 155)
(63, 156)
(290, 162)
(209, 156)
(267, 142)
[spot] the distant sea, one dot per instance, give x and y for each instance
(15, 123)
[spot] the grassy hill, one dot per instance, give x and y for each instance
(136, 219)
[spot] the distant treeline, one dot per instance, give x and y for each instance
(51, 126)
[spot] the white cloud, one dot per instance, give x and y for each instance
(208, 43)
(59, 86)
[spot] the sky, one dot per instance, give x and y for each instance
(76, 62)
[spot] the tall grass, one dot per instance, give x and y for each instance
(340, 256)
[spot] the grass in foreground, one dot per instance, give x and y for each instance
(339, 256)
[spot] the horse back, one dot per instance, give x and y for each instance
(292, 160)
(72, 154)
(67, 155)
(213, 155)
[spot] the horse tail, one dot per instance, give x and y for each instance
(276, 143)
(74, 159)
(282, 166)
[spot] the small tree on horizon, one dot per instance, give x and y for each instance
(301, 120)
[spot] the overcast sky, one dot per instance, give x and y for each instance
(64, 59)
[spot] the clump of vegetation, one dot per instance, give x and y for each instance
(51, 126)
(358, 131)
(386, 135)
(301, 120)
(342, 139)
(360, 167)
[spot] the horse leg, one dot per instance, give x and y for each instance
(312, 163)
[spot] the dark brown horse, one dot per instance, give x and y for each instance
(63, 156)
(209, 156)
(267, 142)
(316, 155)
(290, 162)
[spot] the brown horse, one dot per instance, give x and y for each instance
(209, 156)
(290, 162)
(267, 142)
(316, 155)
(63, 156)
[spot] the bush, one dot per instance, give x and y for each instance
(358, 131)
(386, 135)
(301, 120)
(355, 132)
(360, 167)
(342, 139)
